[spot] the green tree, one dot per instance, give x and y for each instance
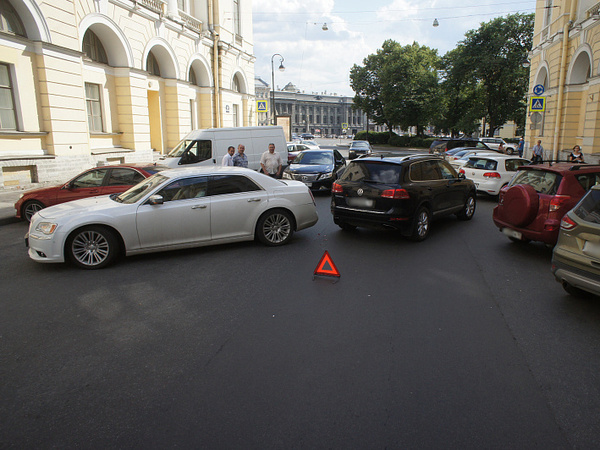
(397, 86)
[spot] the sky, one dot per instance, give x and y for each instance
(320, 61)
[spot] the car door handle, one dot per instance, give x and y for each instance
(199, 207)
(254, 200)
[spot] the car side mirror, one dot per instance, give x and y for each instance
(156, 200)
(68, 185)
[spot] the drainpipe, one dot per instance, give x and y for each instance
(563, 75)
(212, 16)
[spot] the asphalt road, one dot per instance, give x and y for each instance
(462, 341)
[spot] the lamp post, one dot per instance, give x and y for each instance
(281, 68)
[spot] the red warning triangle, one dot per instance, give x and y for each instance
(326, 266)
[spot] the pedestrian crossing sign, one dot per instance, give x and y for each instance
(537, 104)
(261, 106)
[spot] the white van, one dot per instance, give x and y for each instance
(207, 147)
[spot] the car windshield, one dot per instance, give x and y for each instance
(316, 158)
(589, 207)
(359, 144)
(374, 172)
(542, 181)
(180, 148)
(133, 194)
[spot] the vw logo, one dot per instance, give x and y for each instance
(360, 192)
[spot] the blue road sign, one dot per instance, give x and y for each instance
(537, 104)
(261, 106)
(538, 89)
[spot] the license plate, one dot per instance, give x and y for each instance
(512, 233)
(360, 202)
(591, 249)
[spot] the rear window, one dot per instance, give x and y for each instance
(481, 163)
(369, 171)
(512, 164)
(589, 207)
(543, 182)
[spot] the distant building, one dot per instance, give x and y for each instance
(89, 82)
(316, 113)
(262, 92)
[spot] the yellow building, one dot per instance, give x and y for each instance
(91, 82)
(565, 60)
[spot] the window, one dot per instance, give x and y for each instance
(236, 116)
(589, 208)
(94, 108)
(184, 189)
(90, 179)
(93, 48)
(197, 152)
(121, 176)
(588, 180)
(9, 20)
(152, 65)
(237, 17)
(236, 85)
(8, 120)
(425, 171)
(230, 184)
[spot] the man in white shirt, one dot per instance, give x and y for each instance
(271, 163)
(228, 158)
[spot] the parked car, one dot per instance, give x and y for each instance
(532, 205)
(459, 152)
(294, 148)
(462, 160)
(315, 168)
(490, 173)
(312, 145)
(307, 136)
(359, 148)
(495, 142)
(576, 256)
(401, 193)
(178, 208)
(90, 183)
(442, 145)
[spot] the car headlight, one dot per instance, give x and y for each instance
(46, 227)
(325, 175)
(286, 176)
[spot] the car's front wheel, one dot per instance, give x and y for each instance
(421, 224)
(92, 247)
(275, 227)
(510, 150)
(468, 209)
(30, 208)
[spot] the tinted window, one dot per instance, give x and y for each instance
(93, 178)
(589, 207)
(587, 180)
(425, 171)
(184, 189)
(481, 163)
(314, 158)
(198, 151)
(446, 171)
(230, 184)
(121, 176)
(543, 182)
(369, 171)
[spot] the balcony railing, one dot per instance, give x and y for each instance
(152, 5)
(594, 11)
(191, 22)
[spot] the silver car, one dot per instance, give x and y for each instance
(174, 209)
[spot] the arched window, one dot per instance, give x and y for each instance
(152, 65)
(9, 20)
(93, 48)
(192, 77)
(236, 85)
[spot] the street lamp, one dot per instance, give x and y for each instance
(281, 68)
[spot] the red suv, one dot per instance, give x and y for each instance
(532, 205)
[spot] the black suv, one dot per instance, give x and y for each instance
(402, 193)
(439, 146)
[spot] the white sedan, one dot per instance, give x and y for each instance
(174, 209)
(491, 172)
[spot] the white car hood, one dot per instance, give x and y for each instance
(89, 205)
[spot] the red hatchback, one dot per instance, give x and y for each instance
(91, 183)
(532, 205)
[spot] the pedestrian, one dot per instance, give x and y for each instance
(521, 147)
(576, 156)
(240, 159)
(501, 147)
(228, 158)
(537, 153)
(270, 162)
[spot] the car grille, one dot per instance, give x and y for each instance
(305, 176)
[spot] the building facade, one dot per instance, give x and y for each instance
(90, 82)
(565, 62)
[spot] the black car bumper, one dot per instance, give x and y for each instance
(371, 219)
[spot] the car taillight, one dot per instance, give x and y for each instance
(567, 223)
(491, 175)
(396, 194)
(557, 202)
(336, 188)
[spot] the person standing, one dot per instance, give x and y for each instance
(538, 153)
(576, 156)
(521, 147)
(270, 162)
(228, 158)
(240, 159)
